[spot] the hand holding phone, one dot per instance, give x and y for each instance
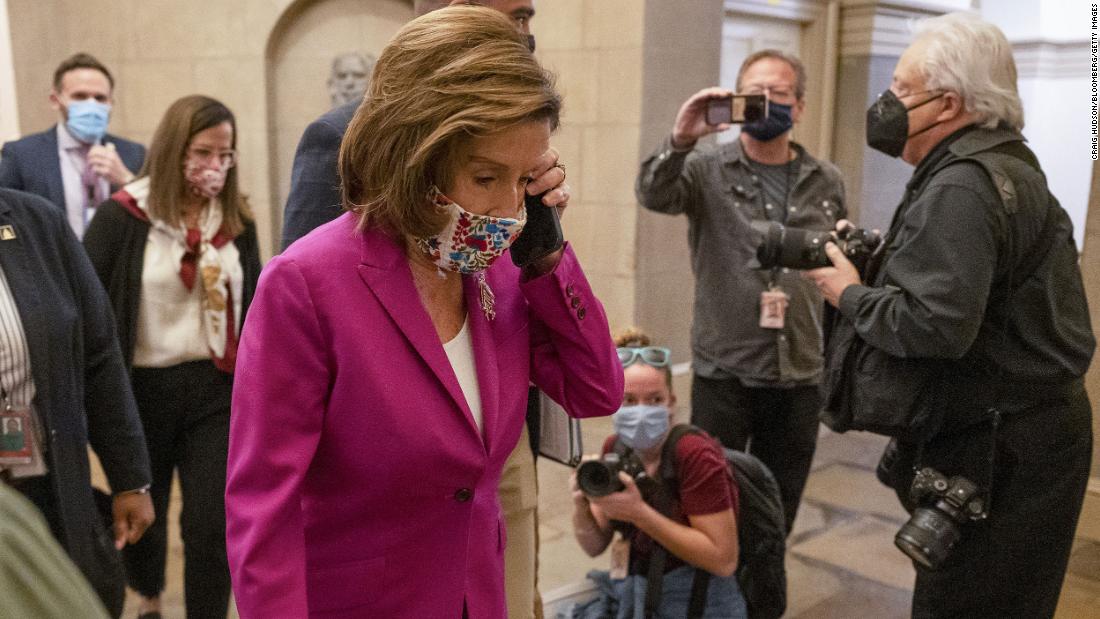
(736, 109)
(541, 234)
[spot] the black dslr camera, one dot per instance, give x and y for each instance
(799, 248)
(601, 477)
(943, 505)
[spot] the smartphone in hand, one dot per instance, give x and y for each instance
(737, 109)
(541, 234)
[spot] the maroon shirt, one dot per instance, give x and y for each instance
(706, 487)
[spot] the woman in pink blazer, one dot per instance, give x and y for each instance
(384, 366)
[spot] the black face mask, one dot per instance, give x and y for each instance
(888, 123)
(531, 43)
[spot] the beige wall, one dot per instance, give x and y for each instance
(595, 48)
(1090, 269)
(158, 50)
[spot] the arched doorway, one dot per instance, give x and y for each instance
(299, 56)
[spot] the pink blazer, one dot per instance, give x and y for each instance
(358, 484)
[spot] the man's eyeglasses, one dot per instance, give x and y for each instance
(655, 356)
(784, 93)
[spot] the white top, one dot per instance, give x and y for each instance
(170, 328)
(169, 324)
(460, 352)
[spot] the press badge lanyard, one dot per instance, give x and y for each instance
(773, 301)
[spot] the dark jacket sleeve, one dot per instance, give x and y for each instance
(666, 183)
(9, 170)
(114, 428)
(314, 179)
(249, 247)
(938, 279)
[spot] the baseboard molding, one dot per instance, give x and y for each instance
(1089, 525)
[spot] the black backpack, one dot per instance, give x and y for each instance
(761, 535)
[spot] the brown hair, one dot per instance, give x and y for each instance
(453, 74)
(633, 337)
(80, 61)
(168, 190)
(790, 59)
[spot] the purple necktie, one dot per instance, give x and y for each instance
(94, 193)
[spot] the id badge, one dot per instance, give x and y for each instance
(620, 558)
(16, 445)
(773, 308)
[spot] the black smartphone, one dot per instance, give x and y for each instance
(541, 234)
(737, 109)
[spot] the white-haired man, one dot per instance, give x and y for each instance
(977, 310)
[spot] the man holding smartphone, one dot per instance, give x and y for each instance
(756, 334)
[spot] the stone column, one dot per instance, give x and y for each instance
(873, 36)
(682, 54)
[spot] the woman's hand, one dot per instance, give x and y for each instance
(550, 178)
(626, 505)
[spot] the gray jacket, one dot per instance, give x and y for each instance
(718, 191)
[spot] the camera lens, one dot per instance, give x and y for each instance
(793, 248)
(597, 478)
(928, 537)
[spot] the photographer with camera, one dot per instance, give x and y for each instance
(968, 340)
(692, 525)
(756, 335)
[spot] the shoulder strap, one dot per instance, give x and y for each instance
(670, 483)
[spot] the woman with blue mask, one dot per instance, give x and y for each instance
(695, 522)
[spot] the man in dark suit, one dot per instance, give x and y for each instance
(75, 164)
(64, 369)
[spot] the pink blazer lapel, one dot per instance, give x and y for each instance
(385, 270)
(485, 357)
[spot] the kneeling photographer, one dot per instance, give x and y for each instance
(967, 336)
(691, 525)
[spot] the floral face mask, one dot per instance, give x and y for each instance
(204, 179)
(469, 243)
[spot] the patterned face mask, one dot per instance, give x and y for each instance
(205, 181)
(469, 243)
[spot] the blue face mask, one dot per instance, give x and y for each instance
(641, 426)
(777, 122)
(87, 120)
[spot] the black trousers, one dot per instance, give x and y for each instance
(778, 425)
(185, 412)
(1013, 563)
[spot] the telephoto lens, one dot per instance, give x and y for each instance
(793, 248)
(802, 249)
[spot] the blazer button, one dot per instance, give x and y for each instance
(570, 290)
(463, 495)
(575, 302)
(580, 313)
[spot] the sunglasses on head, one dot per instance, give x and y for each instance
(655, 356)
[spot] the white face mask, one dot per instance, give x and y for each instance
(469, 243)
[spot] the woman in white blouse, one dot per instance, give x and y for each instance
(177, 251)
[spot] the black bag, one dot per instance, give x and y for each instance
(761, 535)
(867, 389)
